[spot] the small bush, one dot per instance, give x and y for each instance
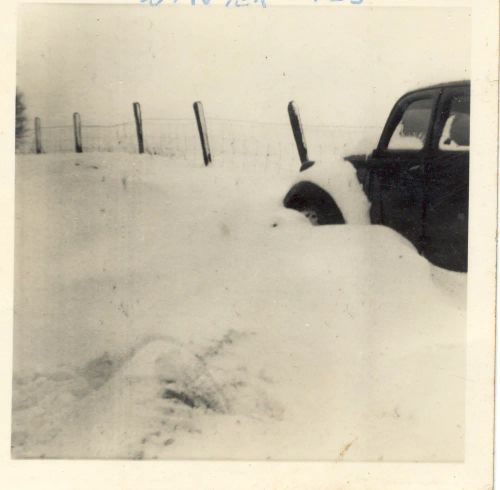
(21, 118)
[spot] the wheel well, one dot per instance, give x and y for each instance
(307, 196)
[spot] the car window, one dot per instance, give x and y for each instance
(413, 126)
(456, 131)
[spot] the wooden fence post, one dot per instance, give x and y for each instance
(138, 125)
(298, 134)
(77, 125)
(202, 129)
(38, 135)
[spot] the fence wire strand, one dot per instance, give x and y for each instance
(230, 140)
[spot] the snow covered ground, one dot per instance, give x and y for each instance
(166, 310)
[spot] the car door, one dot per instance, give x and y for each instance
(447, 182)
(397, 167)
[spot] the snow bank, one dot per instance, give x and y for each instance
(166, 311)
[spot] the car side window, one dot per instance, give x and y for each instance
(413, 126)
(456, 131)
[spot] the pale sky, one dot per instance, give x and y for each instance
(342, 66)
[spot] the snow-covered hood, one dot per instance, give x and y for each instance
(338, 177)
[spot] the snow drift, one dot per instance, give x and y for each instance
(169, 311)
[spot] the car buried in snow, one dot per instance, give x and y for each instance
(416, 179)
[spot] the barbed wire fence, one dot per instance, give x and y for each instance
(230, 140)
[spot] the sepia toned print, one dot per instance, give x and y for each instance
(249, 247)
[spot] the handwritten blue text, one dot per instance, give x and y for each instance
(238, 3)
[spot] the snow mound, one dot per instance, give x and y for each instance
(166, 311)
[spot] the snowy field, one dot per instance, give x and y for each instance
(166, 310)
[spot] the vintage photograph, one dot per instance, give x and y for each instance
(241, 233)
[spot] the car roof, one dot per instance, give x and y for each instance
(460, 83)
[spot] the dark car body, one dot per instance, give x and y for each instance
(417, 179)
